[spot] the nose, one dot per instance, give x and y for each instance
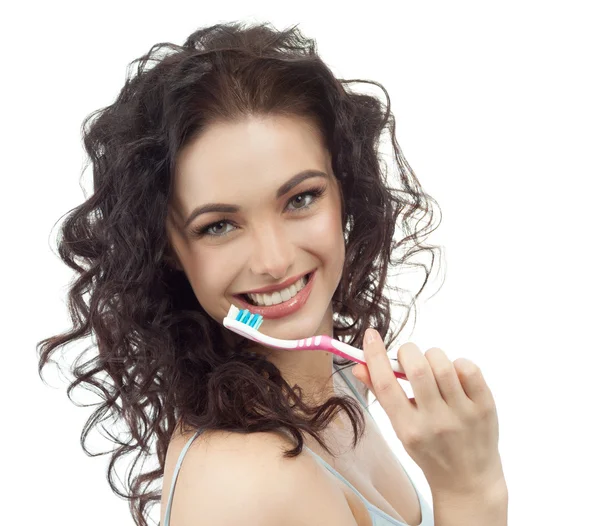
(272, 252)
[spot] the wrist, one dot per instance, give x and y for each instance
(491, 493)
(487, 505)
(491, 485)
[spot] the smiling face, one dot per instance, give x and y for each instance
(282, 220)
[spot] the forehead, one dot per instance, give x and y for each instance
(262, 151)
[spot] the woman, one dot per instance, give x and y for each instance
(229, 165)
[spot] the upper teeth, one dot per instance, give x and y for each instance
(279, 296)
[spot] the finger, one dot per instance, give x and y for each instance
(473, 383)
(362, 373)
(387, 390)
(446, 377)
(420, 376)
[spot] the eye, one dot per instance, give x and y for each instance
(295, 200)
(213, 226)
(209, 230)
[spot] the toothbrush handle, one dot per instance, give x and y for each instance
(344, 350)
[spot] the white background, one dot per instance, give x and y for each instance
(497, 112)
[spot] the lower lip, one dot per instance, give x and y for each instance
(281, 309)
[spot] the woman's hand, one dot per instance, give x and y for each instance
(450, 427)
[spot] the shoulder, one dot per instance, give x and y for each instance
(230, 478)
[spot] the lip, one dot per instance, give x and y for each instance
(279, 286)
(282, 309)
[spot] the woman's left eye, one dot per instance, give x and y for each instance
(302, 197)
(315, 193)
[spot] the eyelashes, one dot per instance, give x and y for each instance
(315, 193)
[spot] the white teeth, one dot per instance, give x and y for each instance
(286, 294)
(279, 296)
(276, 297)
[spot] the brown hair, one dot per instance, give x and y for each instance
(162, 362)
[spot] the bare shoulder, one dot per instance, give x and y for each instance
(229, 478)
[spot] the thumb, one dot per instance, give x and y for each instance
(361, 372)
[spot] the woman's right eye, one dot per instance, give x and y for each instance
(208, 230)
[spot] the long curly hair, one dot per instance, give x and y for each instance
(160, 363)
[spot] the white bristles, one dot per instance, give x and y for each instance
(234, 312)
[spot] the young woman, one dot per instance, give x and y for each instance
(236, 169)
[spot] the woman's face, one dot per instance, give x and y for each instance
(270, 238)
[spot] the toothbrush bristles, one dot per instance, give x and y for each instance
(245, 316)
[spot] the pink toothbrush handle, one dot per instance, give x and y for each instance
(326, 343)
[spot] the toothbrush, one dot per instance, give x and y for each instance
(246, 324)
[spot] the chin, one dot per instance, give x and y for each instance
(294, 328)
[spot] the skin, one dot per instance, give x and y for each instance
(269, 240)
(450, 428)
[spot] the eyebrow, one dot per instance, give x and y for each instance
(231, 209)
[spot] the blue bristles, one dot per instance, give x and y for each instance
(252, 320)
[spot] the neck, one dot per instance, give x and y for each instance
(312, 371)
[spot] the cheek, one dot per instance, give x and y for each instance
(327, 238)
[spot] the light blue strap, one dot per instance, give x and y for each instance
(175, 473)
